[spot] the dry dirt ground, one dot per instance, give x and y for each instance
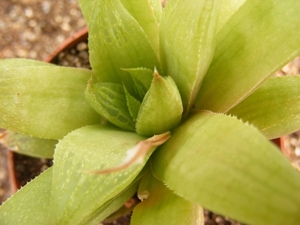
(33, 28)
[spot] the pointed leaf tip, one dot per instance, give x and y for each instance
(161, 109)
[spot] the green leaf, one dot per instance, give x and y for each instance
(26, 145)
(274, 108)
(21, 63)
(113, 204)
(77, 192)
(157, 9)
(44, 101)
(161, 108)
(30, 205)
(145, 14)
(116, 41)
(227, 9)
(142, 78)
(109, 100)
(164, 207)
(187, 45)
(229, 167)
(249, 49)
(133, 105)
(86, 7)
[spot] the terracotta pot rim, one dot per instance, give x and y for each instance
(70, 42)
(14, 182)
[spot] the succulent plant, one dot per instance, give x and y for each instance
(179, 108)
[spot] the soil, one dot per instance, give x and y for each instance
(27, 168)
(32, 29)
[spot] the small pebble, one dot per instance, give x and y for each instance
(3, 174)
(22, 53)
(46, 7)
(33, 54)
(28, 12)
(83, 55)
(66, 26)
(81, 46)
(219, 219)
(60, 38)
(28, 35)
(297, 151)
(32, 23)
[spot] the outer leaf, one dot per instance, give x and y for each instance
(32, 146)
(243, 176)
(21, 63)
(164, 207)
(109, 100)
(250, 48)
(44, 101)
(77, 193)
(116, 41)
(114, 204)
(125, 208)
(161, 108)
(86, 7)
(227, 9)
(30, 205)
(187, 45)
(274, 108)
(145, 15)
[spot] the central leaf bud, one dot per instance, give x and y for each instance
(152, 106)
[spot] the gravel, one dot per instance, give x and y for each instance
(33, 28)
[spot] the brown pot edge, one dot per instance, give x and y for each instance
(70, 42)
